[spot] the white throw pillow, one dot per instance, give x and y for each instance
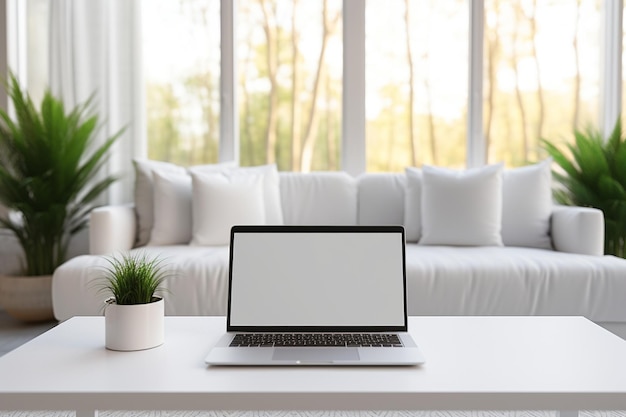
(172, 209)
(413, 204)
(221, 201)
(271, 186)
(462, 208)
(144, 190)
(144, 194)
(527, 206)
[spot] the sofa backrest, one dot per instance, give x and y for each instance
(381, 198)
(319, 198)
(338, 198)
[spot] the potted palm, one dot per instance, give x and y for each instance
(48, 166)
(134, 314)
(593, 174)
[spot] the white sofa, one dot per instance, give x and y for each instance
(569, 277)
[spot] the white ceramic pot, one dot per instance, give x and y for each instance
(134, 327)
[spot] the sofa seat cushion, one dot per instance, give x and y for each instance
(445, 280)
(196, 283)
(441, 280)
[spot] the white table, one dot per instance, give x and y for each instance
(473, 363)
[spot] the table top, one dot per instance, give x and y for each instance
(472, 363)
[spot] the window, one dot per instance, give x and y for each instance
(541, 72)
(289, 61)
(181, 49)
(37, 49)
(27, 52)
(541, 69)
(416, 83)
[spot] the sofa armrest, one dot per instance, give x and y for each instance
(112, 229)
(578, 230)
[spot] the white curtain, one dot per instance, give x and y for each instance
(95, 48)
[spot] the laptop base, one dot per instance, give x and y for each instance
(222, 354)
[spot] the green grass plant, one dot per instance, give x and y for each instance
(134, 278)
(49, 166)
(593, 174)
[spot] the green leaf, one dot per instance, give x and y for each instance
(610, 189)
(133, 278)
(48, 161)
(559, 158)
(593, 174)
(589, 156)
(619, 165)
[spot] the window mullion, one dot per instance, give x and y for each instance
(229, 120)
(353, 126)
(611, 92)
(476, 152)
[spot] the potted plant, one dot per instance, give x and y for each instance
(134, 314)
(48, 165)
(49, 160)
(593, 174)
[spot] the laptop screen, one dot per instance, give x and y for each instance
(317, 278)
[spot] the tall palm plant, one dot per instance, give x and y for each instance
(48, 163)
(594, 175)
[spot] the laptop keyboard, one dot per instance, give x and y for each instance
(316, 339)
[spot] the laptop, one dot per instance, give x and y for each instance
(316, 295)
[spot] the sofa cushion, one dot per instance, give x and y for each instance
(171, 203)
(413, 204)
(144, 194)
(527, 206)
(462, 207)
(172, 209)
(221, 201)
(441, 280)
(271, 185)
(144, 190)
(503, 281)
(320, 198)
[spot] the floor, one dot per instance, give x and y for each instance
(14, 333)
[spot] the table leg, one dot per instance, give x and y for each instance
(560, 413)
(90, 413)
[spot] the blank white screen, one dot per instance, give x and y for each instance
(317, 279)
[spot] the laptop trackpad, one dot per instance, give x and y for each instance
(316, 355)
